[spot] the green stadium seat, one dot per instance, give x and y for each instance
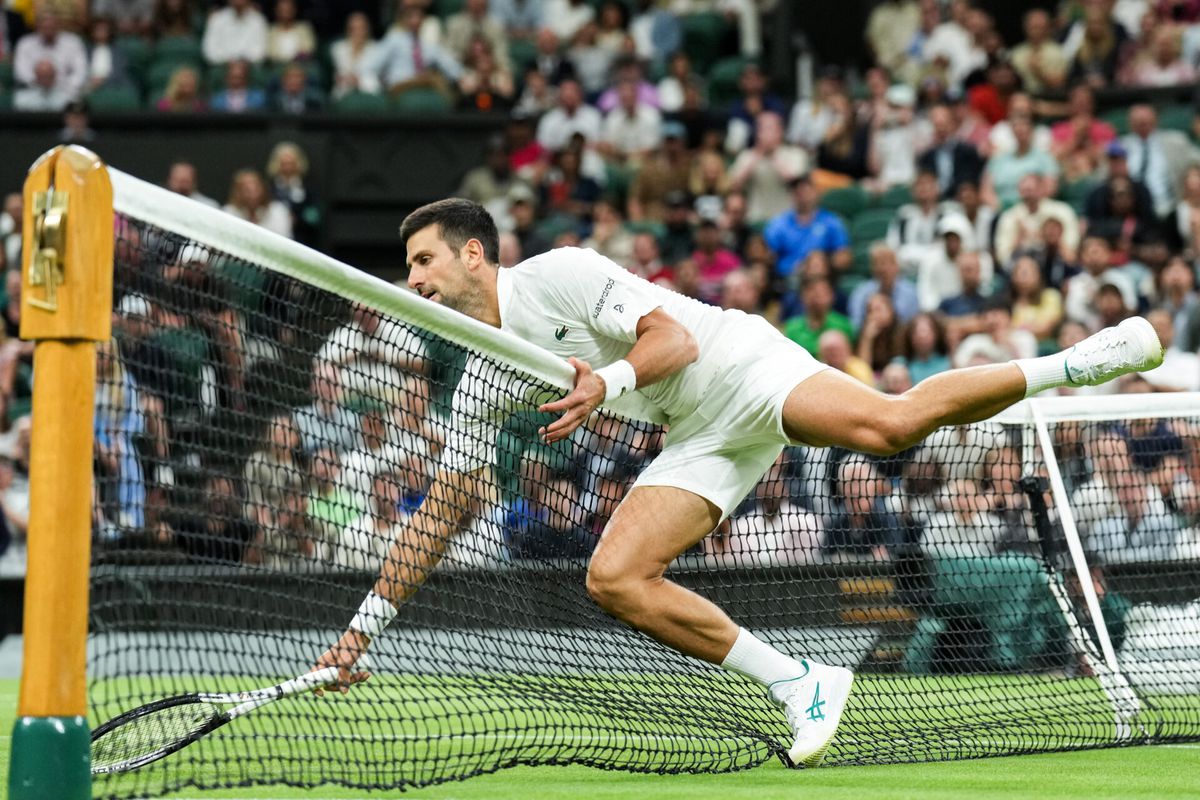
(5, 100)
(422, 101)
(860, 267)
(522, 53)
(1118, 118)
(1176, 118)
(361, 103)
(6, 77)
(870, 225)
(114, 99)
(178, 48)
(851, 281)
(159, 73)
(445, 8)
(847, 202)
(137, 52)
(1075, 194)
(240, 283)
(703, 35)
(894, 197)
(652, 227)
(723, 81)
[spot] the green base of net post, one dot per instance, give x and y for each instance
(51, 757)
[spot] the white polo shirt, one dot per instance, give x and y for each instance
(576, 302)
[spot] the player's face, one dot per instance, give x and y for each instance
(435, 271)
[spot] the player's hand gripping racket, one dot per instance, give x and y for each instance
(155, 730)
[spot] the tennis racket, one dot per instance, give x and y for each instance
(156, 730)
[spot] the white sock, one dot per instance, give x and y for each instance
(1047, 372)
(757, 660)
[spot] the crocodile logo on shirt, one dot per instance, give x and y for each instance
(561, 332)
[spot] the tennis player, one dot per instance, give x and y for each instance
(734, 392)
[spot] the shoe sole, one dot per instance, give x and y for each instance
(842, 681)
(1140, 328)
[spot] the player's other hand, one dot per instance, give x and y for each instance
(344, 655)
(576, 406)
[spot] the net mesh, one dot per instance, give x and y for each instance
(260, 441)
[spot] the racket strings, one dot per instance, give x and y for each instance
(152, 733)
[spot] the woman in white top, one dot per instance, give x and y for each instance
(288, 38)
(352, 53)
(249, 199)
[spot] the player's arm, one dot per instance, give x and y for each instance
(663, 348)
(449, 506)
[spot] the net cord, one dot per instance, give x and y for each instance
(1116, 686)
(241, 239)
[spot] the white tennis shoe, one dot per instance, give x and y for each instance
(1132, 346)
(814, 703)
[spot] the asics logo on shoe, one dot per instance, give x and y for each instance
(814, 711)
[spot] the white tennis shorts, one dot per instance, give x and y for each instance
(722, 450)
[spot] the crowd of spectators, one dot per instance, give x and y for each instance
(961, 204)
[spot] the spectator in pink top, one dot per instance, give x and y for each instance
(1081, 129)
(713, 261)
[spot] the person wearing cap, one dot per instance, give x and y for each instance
(1021, 225)
(897, 136)
(948, 156)
(765, 171)
(940, 273)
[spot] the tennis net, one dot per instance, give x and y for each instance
(268, 418)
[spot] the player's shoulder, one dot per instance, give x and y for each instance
(560, 264)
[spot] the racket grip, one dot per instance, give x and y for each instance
(309, 680)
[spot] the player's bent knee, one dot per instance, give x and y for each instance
(612, 590)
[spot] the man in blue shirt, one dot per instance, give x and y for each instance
(886, 279)
(794, 234)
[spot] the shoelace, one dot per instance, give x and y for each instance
(1105, 343)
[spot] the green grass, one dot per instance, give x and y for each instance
(1150, 772)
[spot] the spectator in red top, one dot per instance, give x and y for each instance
(990, 99)
(713, 261)
(527, 158)
(1081, 131)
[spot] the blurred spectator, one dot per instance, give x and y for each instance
(1020, 227)
(249, 200)
(476, 22)
(566, 17)
(712, 260)
(50, 66)
(1161, 64)
(128, 17)
(181, 179)
(966, 529)
(1099, 200)
(678, 238)
(182, 93)
(609, 236)
(879, 334)
(646, 261)
(632, 131)
(522, 205)
(948, 157)
(991, 97)
(1177, 295)
(1004, 172)
(962, 301)
(1156, 156)
(12, 216)
(591, 62)
(485, 85)
(1095, 257)
(76, 126)
(741, 291)
(891, 27)
(912, 233)
(489, 183)
(44, 94)
(522, 19)
(1037, 308)
(1081, 133)
(671, 87)
(862, 526)
(352, 54)
(794, 233)
(549, 58)
(288, 38)
(846, 146)
(1187, 211)
(572, 115)
(833, 348)
(327, 422)
(657, 33)
(754, 97)
(981, 218)
(294, 95)
(999, 341)
(773, 529)
(566, 190)
(510, 249)
(537, 94)
(107, 65)
(238, 96)
(287, 168)
(1121, 221)
(924, 347)
(886, 280)
(373, 354)
(765, 171)
(1141, 529)
(817, 295)
(555, 530)
(1039, 60)
(330, 507)
(1002, 141)
(119, 422)
(1095, 45)
(237, 32)
(364, 543)
(812, 117)
(894, 378)
(405, 59)
(709, 184)
(1180, 370)
(173, 18)
(898, 137)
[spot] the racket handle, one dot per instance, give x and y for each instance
(309, 680)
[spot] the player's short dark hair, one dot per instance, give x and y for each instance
(458, 222)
